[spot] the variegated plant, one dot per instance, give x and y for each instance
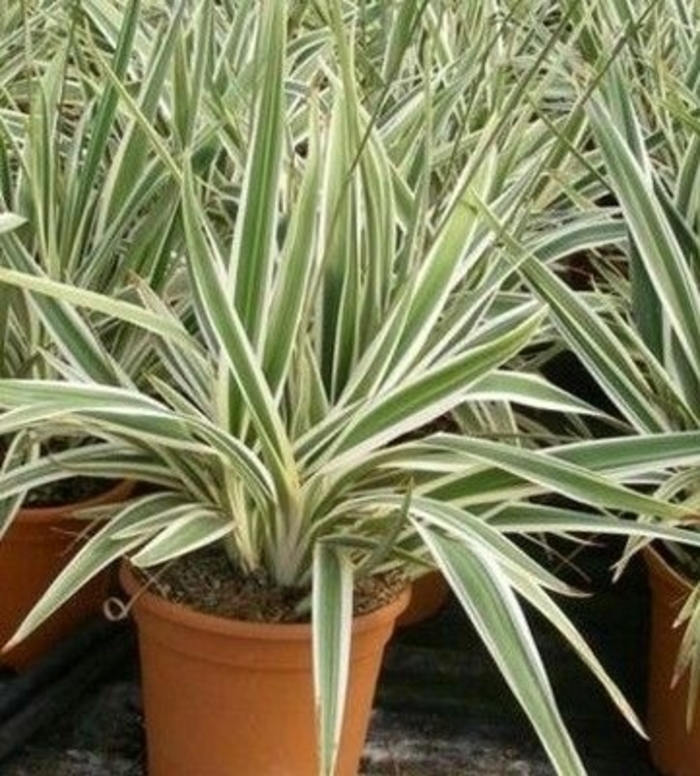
(637, 330)
(75, 169)
(324, 307)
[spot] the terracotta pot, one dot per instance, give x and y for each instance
(429, 593)
(675, 749)
(35, 548)
(225, 697)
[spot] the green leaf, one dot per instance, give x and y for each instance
(10, 221)
(418, 400)
(658, 247)
(562, 476)
(488, 599)
(254, 249)
(332, 635)
(197, 528)
(96, 554)
(209, 286)
(530, 390)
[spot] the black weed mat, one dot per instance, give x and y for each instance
(442, 708)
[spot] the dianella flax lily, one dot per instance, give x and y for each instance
(320, 310)
(637, 328)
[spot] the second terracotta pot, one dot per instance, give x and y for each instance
(429, 593)
(675, 748)
(224, 697)
(34, 550)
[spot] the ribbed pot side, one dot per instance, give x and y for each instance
(33, 552)
(223, 697)
(675, 749)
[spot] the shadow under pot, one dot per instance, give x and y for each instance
(36, 547)
(226, 697)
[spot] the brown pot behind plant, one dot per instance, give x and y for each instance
(675, 749)
(429, 593)
(225, 697)
(35, 548)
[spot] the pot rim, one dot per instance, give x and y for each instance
(156, 605)
(120, 491)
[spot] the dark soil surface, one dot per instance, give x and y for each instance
(205, 581)
(67, 491)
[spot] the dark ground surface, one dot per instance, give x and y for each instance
(442, 709)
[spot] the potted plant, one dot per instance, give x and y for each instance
(57, 141)
(292, 354)
(637, 331)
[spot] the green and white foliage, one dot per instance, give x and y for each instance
(304, 196)
(637, 328)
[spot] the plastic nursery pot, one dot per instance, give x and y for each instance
(226, 697)
(429, 594)
(675, 749)
(36, 547)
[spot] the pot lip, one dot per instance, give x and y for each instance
(658, 566)
(120, 491)
(159, 607)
